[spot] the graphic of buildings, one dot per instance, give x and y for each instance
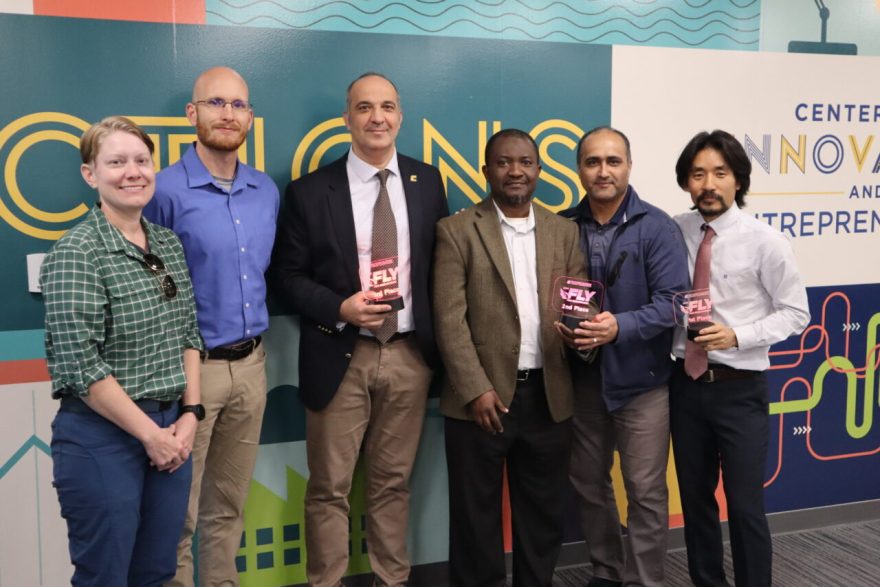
(273, 552)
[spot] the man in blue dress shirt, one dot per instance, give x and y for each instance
(224, 213)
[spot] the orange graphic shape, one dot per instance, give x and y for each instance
(506, 525)
(170, 11)
(23, 371)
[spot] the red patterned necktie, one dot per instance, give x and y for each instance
(696, 361)
(384, 246)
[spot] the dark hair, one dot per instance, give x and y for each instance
(508, 132)
(577, 153)
(732, 152)
(369, 74)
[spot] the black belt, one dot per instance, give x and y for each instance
(71, 403)
(394, 337)
(524, 374)
(234, 352)
(718, 372)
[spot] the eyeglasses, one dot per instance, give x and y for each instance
(157, 267)
(220, 104)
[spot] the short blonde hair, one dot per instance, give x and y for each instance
(90, 143)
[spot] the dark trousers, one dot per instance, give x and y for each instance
(724, 424)
(124, 517)
(536, 450)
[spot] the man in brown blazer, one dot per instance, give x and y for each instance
(507, 395)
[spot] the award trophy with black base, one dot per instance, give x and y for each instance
(693, 311)
(577, 299)
(384, 286)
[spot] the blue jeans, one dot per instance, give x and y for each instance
(124, 518)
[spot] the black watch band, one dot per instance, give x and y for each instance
(197, 410)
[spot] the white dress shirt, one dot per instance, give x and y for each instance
(364, 186)
(754, 286)
(519, 238)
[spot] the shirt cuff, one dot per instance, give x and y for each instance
(745, 337)
(194, 342)
(78, 382)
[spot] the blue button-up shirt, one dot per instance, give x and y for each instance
(227, 238)
(599, 238)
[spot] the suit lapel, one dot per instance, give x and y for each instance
(489, 229)
(411, 192)
(544, 251)
(342, 219)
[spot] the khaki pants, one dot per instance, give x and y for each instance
(380, 406)
(640, 433)
(224, 453)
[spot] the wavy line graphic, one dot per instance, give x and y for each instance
(713, 24)
(646, 2)
(518, 16)
(507, 29)
(410, 8)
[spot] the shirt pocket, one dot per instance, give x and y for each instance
(135, 314)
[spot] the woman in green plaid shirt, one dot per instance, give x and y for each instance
(122, 345)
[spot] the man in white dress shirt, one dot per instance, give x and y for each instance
(718, 393)
(364, 365)
(507, 392)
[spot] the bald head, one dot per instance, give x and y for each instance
(217, 76)
(221, 112)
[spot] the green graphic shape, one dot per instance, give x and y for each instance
(273, 548)
(837, 364)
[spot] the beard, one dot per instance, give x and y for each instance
(517, 200)
(705, 201)
(217, 141)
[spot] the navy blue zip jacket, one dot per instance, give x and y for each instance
(646, 265)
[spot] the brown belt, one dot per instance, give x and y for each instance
(234, 352)
(394, 337)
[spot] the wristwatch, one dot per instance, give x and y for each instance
(197, 410)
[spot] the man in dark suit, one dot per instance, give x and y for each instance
(507, 396)
(354, 233)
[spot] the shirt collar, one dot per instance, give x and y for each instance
(620, 215)
(366, 172)
(727, 220)
(112, 238)
(197, 174)
(524, 228)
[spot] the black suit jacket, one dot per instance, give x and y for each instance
(315, 267)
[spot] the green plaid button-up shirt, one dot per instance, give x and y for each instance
(106, 313)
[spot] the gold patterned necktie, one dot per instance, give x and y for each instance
(696, 360)
(385, 246)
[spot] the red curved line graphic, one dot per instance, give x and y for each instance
(782, 426)
(826, 339)
(836, 457)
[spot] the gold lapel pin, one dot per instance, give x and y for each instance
(414, 178)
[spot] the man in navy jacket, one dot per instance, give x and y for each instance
(621, 393)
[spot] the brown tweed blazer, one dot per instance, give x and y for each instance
(475, 313)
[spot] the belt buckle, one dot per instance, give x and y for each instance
(526, 374)
(710, 376)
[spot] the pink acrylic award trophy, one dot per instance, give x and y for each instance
(693, 311)
(383, 283)
(577, 299)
